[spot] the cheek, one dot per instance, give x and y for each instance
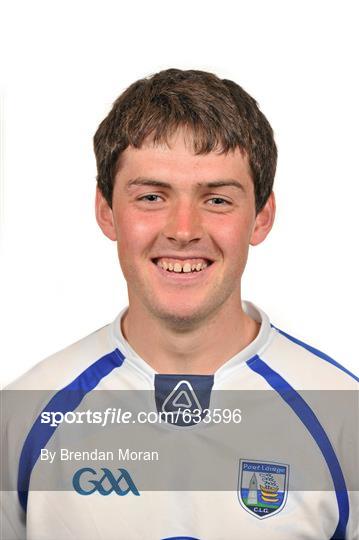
(233, 237)
(134, 234)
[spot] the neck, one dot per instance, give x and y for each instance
(199, 350)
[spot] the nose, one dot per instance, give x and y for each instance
(184, 223)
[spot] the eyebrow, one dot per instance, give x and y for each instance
(159, 183)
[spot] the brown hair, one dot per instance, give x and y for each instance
(220, 115)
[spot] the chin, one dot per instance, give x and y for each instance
(180, 318)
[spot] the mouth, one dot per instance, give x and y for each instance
(183, 269)
(185, 266)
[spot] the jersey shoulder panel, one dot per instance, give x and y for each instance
(62, 367)
(305, 366)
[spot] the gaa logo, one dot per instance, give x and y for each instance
(86, 481)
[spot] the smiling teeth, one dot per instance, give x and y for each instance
(182, 266)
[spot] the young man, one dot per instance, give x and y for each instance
(241, 445)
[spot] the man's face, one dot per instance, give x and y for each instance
(183, 224)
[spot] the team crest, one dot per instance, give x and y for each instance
(262, 487)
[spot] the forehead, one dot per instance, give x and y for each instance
(176, 161)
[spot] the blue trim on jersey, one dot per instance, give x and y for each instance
(315, 351)
(65, 400)
(311, 422)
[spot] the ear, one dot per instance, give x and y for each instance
(264, 221)
(104, 216)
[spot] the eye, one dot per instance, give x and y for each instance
(151, 197)
(218, 201)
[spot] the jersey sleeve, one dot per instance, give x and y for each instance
(12, 516)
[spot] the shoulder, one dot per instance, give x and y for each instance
(305, 366)
(63, 367)
(59, 381)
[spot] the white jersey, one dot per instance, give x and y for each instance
(279, 461)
